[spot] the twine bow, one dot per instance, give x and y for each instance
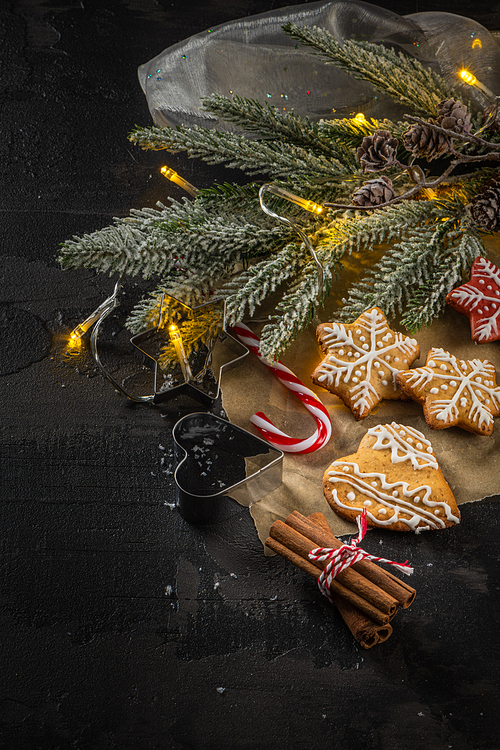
(347, 555)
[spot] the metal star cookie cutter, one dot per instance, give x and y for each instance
(191, 387)
(219, 459)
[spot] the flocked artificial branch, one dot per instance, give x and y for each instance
(222, 243)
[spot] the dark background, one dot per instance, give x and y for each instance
(123, 626)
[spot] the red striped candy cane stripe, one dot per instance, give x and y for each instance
(311, 402)
(347, 555)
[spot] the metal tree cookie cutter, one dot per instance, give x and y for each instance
(230, 351)
(219, 459)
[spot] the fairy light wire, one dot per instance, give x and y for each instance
(302, 203)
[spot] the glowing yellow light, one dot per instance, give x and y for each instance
(171, 175)
(176, 339)
(476, 43)
(307, 205)
(468, 77)
(360, 118)
(471, 79)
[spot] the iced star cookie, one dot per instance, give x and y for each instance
(454, 392)
(479, 300)
(362, 361)
(394, 475)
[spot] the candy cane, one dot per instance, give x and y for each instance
(312, 403)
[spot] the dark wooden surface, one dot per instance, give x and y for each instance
(122, 625)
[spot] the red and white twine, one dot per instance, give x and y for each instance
(311, 402)
(347, 555)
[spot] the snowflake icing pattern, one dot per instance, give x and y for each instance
(455, 392)
(479, 299)
(363, 359)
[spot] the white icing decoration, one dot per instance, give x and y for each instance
(453, 383)
(471, 378)
(474, 300)
(367, 503)
(362, 338)
(355, 380)
(395, 493)
(394, 437)
(419, 446)
(434, 391)
(385, 382)
(383, 511)
(444, 387)
(358, 481)
(351, 496)
(334, 370)
(443, 367)
(345, 468)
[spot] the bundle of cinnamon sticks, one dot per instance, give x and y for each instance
(366, 596)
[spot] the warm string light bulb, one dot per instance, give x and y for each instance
(171, 175)
(176, 339)
(307, 205)
(471, 80)
(360, 118)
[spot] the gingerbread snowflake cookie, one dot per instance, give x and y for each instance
(394, 475)
(362, 361)
(454, 392)
(479, 300)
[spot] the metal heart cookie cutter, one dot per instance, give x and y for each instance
(217, 459)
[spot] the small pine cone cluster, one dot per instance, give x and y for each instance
(374, 192)
(485, 206)
(377, 151)
(424, 142)
(453, 115)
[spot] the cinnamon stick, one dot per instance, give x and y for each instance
(358, 590)
(365, 630)
(316, 528)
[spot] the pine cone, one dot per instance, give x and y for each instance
(453, 115)
(423, 141)
(485, 207)
(377, 151)
(374, 192)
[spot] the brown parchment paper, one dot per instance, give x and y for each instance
(470, 463)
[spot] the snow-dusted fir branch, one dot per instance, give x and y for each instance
(402, 78)
(295, 311)
(428, 301)
(168, 239)
(404, 267)
(269, 122)
(274, 158)
(249, 290)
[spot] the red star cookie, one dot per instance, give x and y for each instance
(362, 360)
(454, 392)
(479, 299)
